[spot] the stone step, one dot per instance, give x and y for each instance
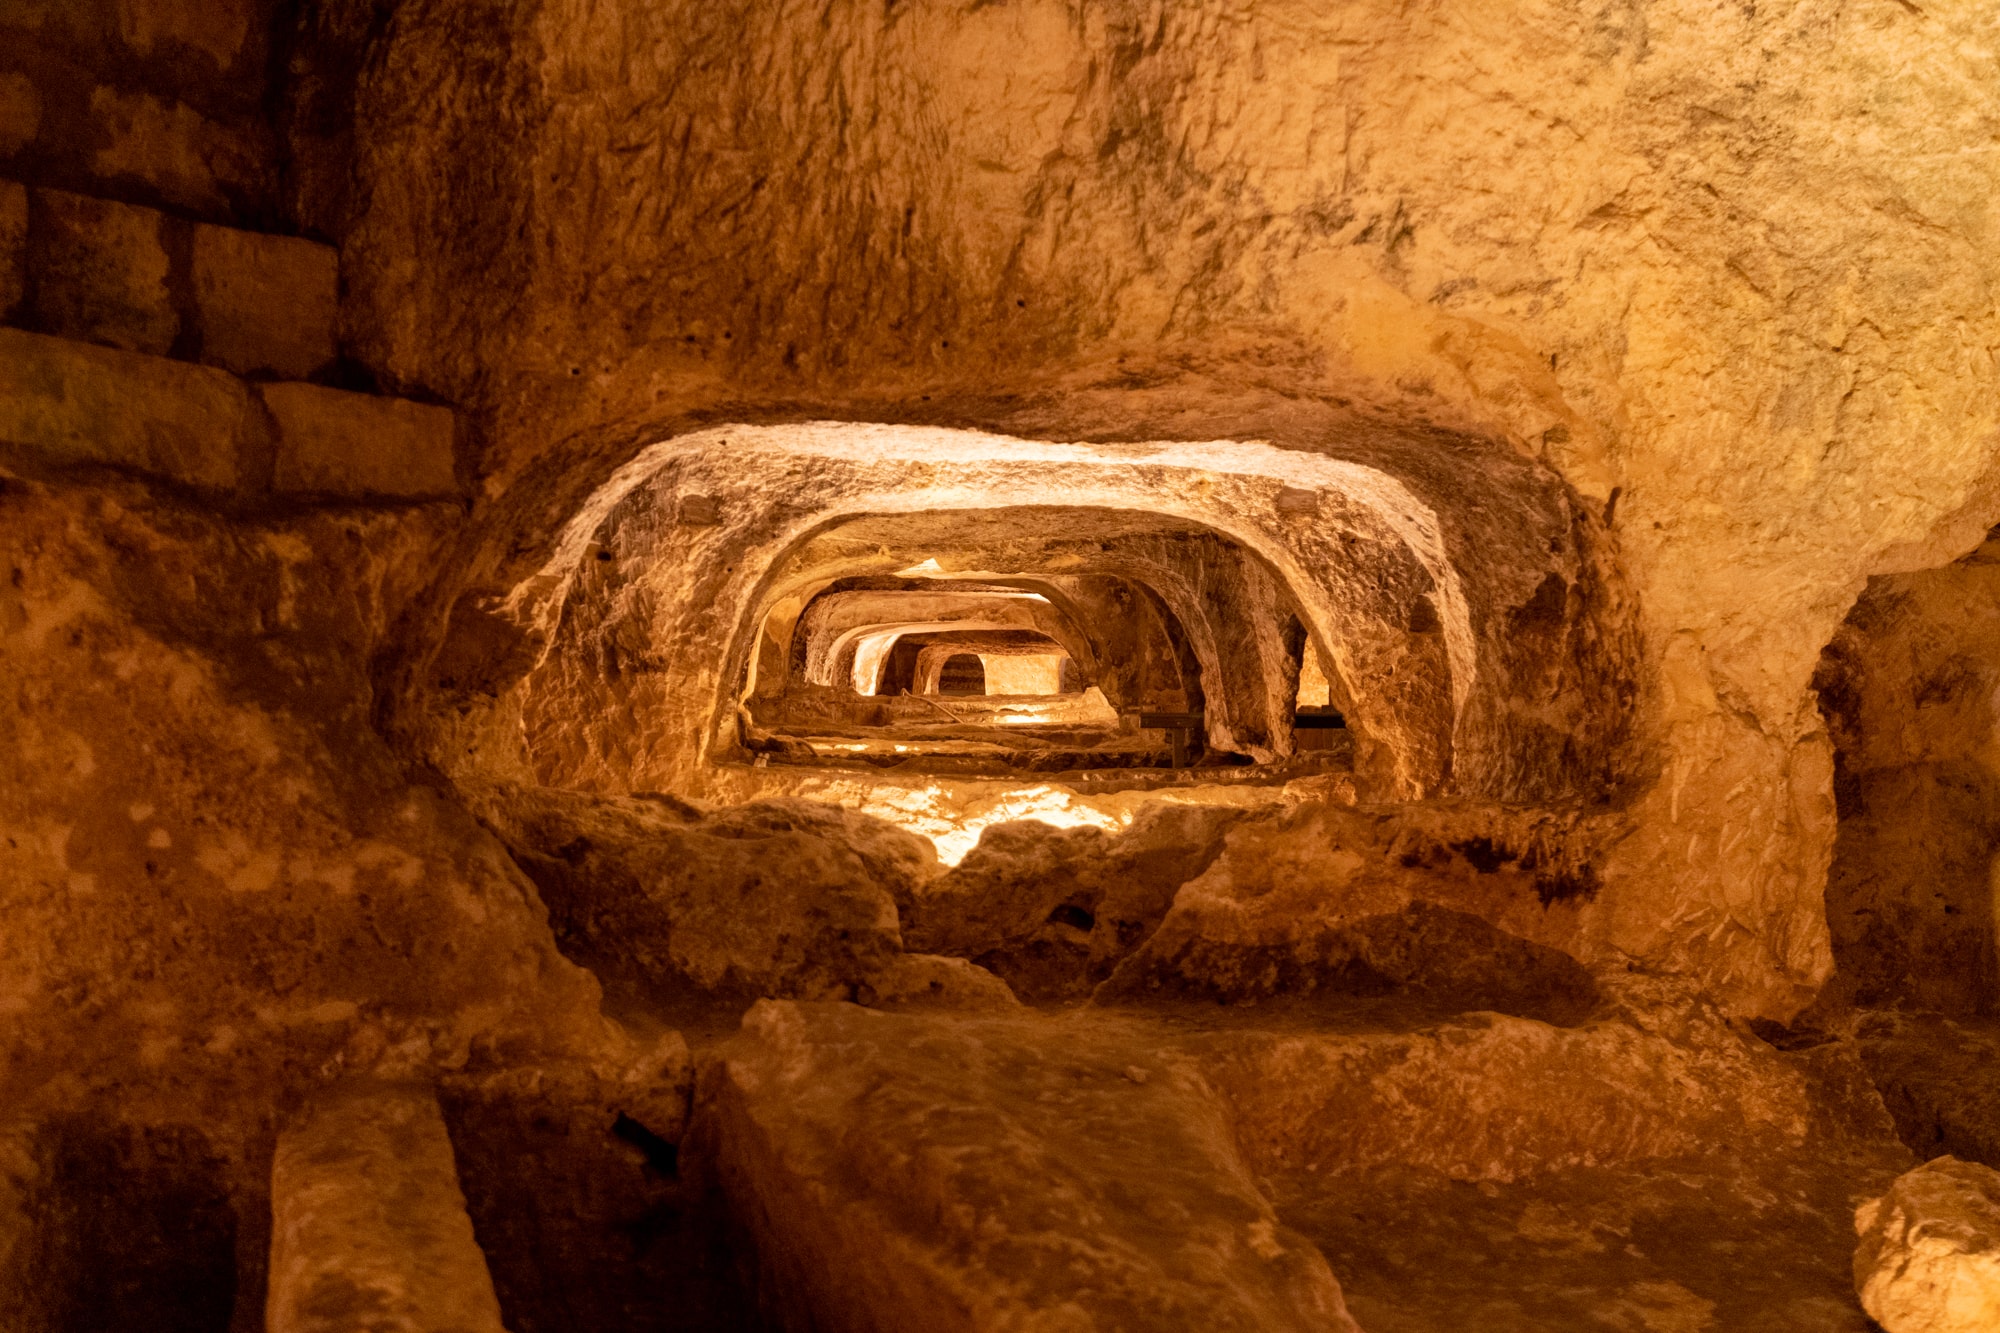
(140, 280)
(63, 401)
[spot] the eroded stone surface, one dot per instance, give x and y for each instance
(1929, 1257)
(930, 981)
(1053, 910)
(900, 1172)
(773, 898)
(1460, 910)
(355, 444)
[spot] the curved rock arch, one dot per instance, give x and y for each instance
(1469, 670)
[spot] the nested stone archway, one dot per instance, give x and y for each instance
(653, 609)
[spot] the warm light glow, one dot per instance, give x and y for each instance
(1047, 805)
(1314, 691)
(953, 812)
(1040, 673)
(869, 655)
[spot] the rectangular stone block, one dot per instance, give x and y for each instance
(950, 1202)
(354, 444)
(71, 402)
(368, 1224)
(266, 305)
(20, 113)
(13, 249)
(221, 30)
(205, 166)
(29, 1293)
(101, 272)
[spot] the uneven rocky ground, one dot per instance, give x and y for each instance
(1616, 1156)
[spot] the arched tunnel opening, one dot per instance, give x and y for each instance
(1201, 734)
(1056, 669)
(1067, 640)
(1218, 622)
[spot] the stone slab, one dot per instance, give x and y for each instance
(266, 305)
(368, 1225)
(972, 1173)
(72, 402)
(102, 273)
(225, 31)
(1715, 1243)
(353, 444)
(775, 898)
(1488, 1096)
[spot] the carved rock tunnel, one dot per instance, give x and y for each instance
(705, 666)
(766, 610)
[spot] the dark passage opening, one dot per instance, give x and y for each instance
(963, 674)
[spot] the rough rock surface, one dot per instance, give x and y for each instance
(928, 981)
(902, 1172)
(1053, 910)
(1658, 1077)
(1929, 1257)
(215, 874)
(1714, 1243)
(1329, 903)
(1568, 367)
(1936, 1076)
(1623, 239)
(773, 898)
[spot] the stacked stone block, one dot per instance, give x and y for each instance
(101, 271)
(146, 341)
